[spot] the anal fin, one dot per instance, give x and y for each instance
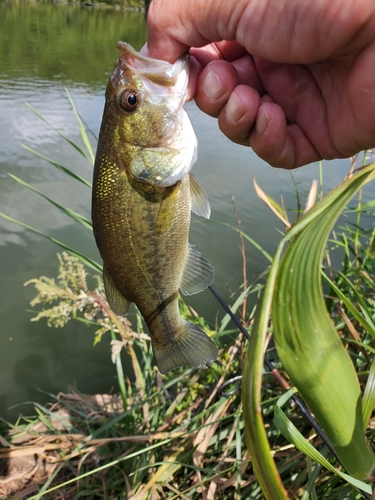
(117, 302)
(191, 348)
(198, 273)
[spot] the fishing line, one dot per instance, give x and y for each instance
(88, 129)
(275, 374)
(226, 394)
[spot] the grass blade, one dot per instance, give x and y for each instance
(73, 144)
(368, 399)
(350, 306)
(234, 308)
(70, 213)
(58, 166)
(256, 435)
(272, 205)
(85, 260)
(249, 239)
(287, 428)
(82, 128)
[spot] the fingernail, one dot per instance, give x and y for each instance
(262, 120)
(234, 110)
(212, 86)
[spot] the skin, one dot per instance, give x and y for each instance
(292, 79)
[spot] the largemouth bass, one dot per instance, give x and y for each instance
(142, 198)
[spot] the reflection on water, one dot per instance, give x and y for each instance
(44, 47)
(64, 43)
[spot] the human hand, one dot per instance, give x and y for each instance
(294, 80)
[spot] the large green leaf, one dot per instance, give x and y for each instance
(301, 276)
(291, 432)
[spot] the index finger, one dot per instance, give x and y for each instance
(225, 50)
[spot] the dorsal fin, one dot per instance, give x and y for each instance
(199, 199)
(198, 272)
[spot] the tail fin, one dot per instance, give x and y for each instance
(191, 348)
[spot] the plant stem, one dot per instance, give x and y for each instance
(120, 374)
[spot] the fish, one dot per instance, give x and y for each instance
(142, 198)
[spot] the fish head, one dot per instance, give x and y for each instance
(154, 137)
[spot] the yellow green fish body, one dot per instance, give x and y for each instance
(142, 198)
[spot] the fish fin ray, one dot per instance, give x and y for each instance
(198, 273)
(192, 348)
(199, 199)
(117, 302)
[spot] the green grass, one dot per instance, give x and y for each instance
(183, 435)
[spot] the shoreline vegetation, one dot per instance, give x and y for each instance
(182, 435)
(89, 31)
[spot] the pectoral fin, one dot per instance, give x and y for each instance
(199, 199)
(198, 272)
(117, 302)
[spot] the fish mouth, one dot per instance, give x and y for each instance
(159, 81)
(158, 71)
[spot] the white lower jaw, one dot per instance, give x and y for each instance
(187, 146)
(179, 173)
(175, 177)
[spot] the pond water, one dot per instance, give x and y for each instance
(45, 47)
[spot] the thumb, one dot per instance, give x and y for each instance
(175, 26)
(162, 21)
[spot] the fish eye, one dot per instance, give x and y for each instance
(129, 100)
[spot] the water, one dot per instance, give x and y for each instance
(44, 47)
